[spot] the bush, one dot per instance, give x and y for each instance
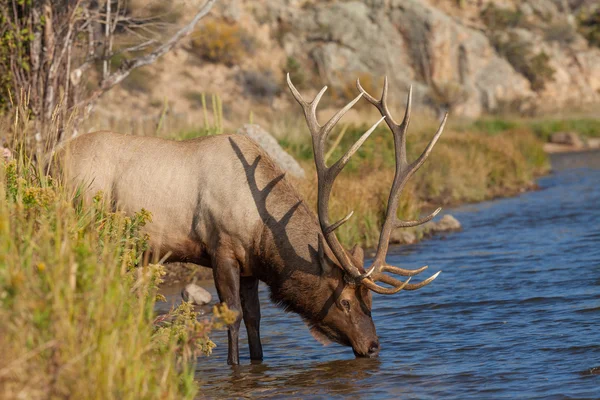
(447, 95)
(294, 68)
(77, 301)
(536, 68)
(500, 19)
(221, 42)
(345, 90)
(260, 84)
(561, 32)
(589, 25)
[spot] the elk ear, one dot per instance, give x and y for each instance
(323, 259)
(358, 254)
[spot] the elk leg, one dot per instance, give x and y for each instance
(251, 309)
(227, 281)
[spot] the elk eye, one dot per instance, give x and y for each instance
(346, 305)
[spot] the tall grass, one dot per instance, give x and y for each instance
(463, 167)
(77, 300)
(542, 127)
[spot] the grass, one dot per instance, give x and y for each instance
(542, 127)
(463, 167)
(77, 300)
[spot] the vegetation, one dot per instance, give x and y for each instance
(260, 85)
(498, 19)
(296, 71)
(465, 166)
(48, 49)
(519, 53)
(543, 128)
(221, 42)
(535, 66)
(77, 299)
(589, 25)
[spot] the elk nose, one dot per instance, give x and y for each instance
(374, 349)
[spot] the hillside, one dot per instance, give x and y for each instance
(474, 57)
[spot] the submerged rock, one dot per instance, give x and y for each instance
(447, 224)
(567, 138)
(403, 237)
(196, 295)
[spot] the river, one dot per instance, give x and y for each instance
(515, 313)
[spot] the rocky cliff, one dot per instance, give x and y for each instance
(471, 56)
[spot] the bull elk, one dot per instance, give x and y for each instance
(220, 201)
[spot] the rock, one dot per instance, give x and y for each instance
(593, 143)
(6, 154)
(403, 237)
(447, 224)
(196, 295)
(567, 138)
(273, 149)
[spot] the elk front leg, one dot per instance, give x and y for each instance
(227, 281)
(251, 309)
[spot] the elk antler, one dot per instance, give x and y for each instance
(326, 175)
(403, 173)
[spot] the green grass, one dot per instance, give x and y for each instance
(494, 159)
(77, 302)
(542, 127)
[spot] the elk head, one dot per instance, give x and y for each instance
(349, 320)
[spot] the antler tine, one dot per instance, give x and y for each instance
(419, 161)
(395, 282)
(402, 271)
(402, 175)
(383, 290)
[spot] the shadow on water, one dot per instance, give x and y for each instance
(516, 312)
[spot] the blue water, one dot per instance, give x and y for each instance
(515, 313)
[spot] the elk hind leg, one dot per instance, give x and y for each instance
(251, 310)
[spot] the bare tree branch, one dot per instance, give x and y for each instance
(128, 66)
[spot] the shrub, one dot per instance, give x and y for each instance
(561, 32)
(345, 91)
(589, 25)
(221, 42)
(260, 84)
(77, 299)
(447, 95)
(77, 303)
(294, 68)
(535, 67)
(499, 19)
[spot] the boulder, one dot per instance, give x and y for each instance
(447, 224)
(6, 154)
(566, 138)
(196, 295)
(403, 237)
(593, 143)
(273, 149)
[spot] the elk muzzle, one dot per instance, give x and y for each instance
(370, 349)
